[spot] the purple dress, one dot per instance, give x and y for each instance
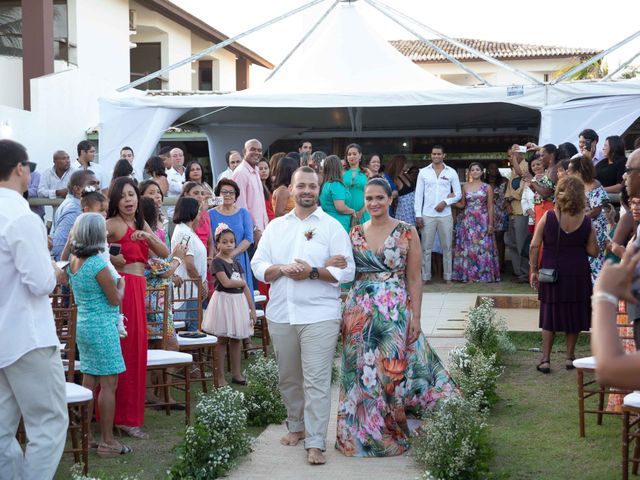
(475, 256)
(565, 306)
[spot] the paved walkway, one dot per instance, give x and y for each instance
(272, 461)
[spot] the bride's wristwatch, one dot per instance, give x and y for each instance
(314, 274)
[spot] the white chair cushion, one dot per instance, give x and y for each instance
(156, 358)
(179, 324)
(194, 342)
(586, 362)
(256, 292)
(77, 393)
(632, 400)
(260, 298)
(259, 313)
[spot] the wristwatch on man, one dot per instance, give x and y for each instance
(314, 274)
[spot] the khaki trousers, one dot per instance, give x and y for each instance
(443, 226)
(305, 357)
(33, 387)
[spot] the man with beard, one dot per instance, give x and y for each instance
(304, 308)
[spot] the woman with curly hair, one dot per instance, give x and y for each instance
(569, 238)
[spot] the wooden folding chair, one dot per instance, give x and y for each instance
(588, 386)
(78, 397)
(630, 433)
(167, 362)
(187, 301)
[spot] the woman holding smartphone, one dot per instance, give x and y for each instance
(127, 228)
(195, 261)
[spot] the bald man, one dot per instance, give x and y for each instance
(175, 175)
(251, 190)
(54, 180)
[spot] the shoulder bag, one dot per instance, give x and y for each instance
(550, 275)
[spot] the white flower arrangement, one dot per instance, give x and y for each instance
(262, 396)
(488, 332)
(217, 437)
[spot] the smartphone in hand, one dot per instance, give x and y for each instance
(114, 249)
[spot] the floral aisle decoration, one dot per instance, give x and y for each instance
(452, 442)
(262, 397)
(217, 438)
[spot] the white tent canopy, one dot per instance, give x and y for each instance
(346, 81)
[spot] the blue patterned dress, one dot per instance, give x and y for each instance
(383, 378)
(597, 198)
(475, 256)
(96, 330)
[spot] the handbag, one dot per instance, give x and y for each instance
(550, 275)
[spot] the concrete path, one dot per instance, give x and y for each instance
(272, 461)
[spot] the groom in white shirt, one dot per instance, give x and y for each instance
(304, 308)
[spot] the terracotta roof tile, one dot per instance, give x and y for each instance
(421, 53)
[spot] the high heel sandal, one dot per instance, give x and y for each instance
(542, 369)
(568, 364)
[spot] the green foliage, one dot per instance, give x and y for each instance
(262, 396)
(475, 373)
(452, 444)
(487, 332)
(76, 474)
(217, 438)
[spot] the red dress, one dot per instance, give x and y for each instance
(130, 393)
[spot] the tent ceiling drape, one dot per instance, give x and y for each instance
(347, 81)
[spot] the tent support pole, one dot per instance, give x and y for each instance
(594, 59)
(215, 47)
(464, 46)
(304, 39)
(624, 65)
(429, 43)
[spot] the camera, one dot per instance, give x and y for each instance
(587, 144)
(522, 149)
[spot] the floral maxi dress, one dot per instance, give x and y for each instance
(382, 377)
(475, 256)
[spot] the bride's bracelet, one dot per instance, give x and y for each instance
(604, 297)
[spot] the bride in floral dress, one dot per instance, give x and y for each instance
(388, 369)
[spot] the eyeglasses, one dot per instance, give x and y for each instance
(631, 169)
(228, 193)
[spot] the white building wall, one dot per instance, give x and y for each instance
(11, 81)
(64, 104)
(175, 44)
(494, 74)
(225, 77)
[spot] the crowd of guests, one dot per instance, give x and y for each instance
(550, 217)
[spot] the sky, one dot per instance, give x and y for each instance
(567, 23)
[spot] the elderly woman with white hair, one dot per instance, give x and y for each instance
(98, 292)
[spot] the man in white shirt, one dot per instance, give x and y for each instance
(433, 209)
(175, 175)
(233, 159)
(54, 180)
(32, 383)
(86, 155)
(304, 308)
(126, 153)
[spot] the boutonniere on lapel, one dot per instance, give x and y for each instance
(309, 234)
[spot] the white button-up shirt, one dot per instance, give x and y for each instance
(299, 302)
(431, 189)
(26, 319)
(103, 177)
(50, 182)
(175, 180)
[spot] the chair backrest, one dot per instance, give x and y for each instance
(65, 314)
(625, 326)
(157, 308)
(187, 299)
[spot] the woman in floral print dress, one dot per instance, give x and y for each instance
(475, 256)
(388, 369)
